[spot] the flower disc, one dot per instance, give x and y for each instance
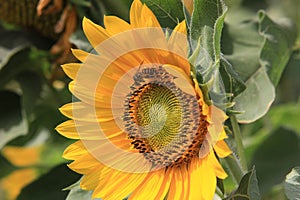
(160, 118)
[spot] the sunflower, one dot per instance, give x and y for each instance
(142, 125)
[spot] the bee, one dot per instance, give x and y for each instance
(149, 71)
(138, 77)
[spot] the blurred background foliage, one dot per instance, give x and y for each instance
(33, 87)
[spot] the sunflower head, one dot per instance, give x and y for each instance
(141, 119)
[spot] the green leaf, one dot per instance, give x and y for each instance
(285, 9)
(279, 40)
(6, 54)
(11, 42)
(292, 184)
(168, 12)
(218, 27)
(12, 122)
(256, 54)
(16, 55)
(50, 185)
(18, 62)
(275, 156)
(257, 98)
(247, 189)
(44, 117)
(212, 69)
(289, 87)
(231, 80)
(31, 85)
(241, 44)
(207, 22)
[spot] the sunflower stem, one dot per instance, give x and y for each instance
(239, 142)
(235, 167)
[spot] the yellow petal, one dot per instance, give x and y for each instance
(180, 28)
(68, 129)
(164, 188)
(115, 25)
(222, 149)
(223, 135)
(91, 62)
(84, 112)
(216, 115)
(118, 184)
(89, 96)
(179, 188)
(80, 130)
(182, 80)
(118, 155)
(219, 171)
(141, 16)
(150, 187)
(71, 69)
(85, 164)
(91, 180)
(202, 180)
(80, 55)
(90, 131)
(178, 44)
(205, 107)
(216, 118)
(94, 33)
(75, 151)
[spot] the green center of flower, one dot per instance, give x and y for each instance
(164, 123)
(158, 113)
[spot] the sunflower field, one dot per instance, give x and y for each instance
(149, 99)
